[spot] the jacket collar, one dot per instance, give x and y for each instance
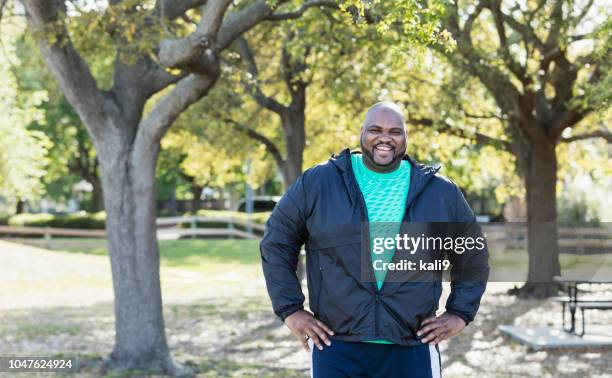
(420, 174)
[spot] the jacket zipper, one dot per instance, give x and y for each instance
(364, 217)
(351, 186)
(319, 291)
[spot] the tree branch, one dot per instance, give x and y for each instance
(456, 131)
(292, 68)
(159, 78)
(525, 30)
(299, 12)
(173, 9)
(469, 23)
(253, 134)
(238, 22)
(251, 85)
(68, 68)
(483, 116)
(186, 53)
(604, 134)
(153, 127)
(506, 95)
(511, 63)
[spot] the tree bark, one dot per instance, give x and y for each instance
(294, 127)
(295, 141)
(129, 197)
(21, 205)
(97, 194)
(196, 201)
(127, 144)
(542, 234)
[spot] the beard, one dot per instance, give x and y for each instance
(398, 154)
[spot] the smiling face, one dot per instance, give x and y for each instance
(383, 136)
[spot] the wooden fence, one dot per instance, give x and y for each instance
(167, 228)
(578, 240)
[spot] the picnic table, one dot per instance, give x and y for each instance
(575, 303)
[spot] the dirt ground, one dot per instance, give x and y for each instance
(60, 304)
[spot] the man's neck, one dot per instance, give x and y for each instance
(371, 165)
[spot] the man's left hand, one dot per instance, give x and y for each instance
(435, 329)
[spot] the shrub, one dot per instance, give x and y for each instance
(30, 220)
(260, 217)
(80, 220)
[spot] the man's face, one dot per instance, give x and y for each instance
(383, 137)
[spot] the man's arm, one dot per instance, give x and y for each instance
(469, 274)
(280, 247)
(470, 269)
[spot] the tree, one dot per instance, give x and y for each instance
(23, 156)
(539, 77)
(71, 155)
(147, 60)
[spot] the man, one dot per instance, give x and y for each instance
(368, 320)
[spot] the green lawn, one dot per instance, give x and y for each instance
(193, 254)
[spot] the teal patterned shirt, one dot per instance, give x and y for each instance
(385, 198)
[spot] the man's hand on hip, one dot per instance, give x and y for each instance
(435, 329)
(305, 326)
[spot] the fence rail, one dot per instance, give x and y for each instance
(167, 228)
(571, 239)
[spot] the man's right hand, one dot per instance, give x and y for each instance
(305, 326)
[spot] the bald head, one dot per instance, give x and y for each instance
(383, 137)
(385, 109)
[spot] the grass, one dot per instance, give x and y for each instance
(210, 254)
(228, 331)
(29, 331)
(187, 253)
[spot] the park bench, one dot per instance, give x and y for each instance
(574, 303)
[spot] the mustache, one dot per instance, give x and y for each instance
(384, 143)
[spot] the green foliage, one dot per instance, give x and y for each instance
(577, 210)
(23, 153)
(417, 23)
(81, 220)
(599, 95)
(197, 254)
(72, 157)
(31, 220)
(260, 218)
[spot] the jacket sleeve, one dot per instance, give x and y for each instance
(284, 235)
(470, 268)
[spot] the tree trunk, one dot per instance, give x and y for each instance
(129, 197)
(21, 205)
(542, 240)
(196, 202)
(97, 199)
(172, 204)
(295, 140)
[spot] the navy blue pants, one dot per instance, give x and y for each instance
(360, 359)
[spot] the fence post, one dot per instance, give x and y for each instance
(580, 240)
(194, 226)
(47, 238)
(230, 227)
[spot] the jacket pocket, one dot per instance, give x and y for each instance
(408, 306)
(335, 242)
(316, 292)
(342, 302)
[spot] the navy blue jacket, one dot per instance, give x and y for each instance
(325, 210)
